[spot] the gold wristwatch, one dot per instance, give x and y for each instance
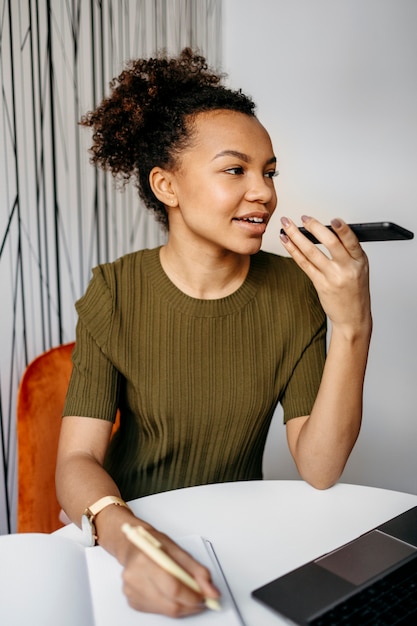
(87, 520)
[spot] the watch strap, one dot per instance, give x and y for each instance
(93, 510)
(101, 504)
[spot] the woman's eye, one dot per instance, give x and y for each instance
(234, 170)
(272, 174)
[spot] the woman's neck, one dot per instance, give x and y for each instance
(203, 276)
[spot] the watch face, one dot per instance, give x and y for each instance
(88, 531)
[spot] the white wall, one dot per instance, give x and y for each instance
(336, 86)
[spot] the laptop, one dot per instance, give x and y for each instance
(358, 583)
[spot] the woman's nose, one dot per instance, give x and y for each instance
(261, 190)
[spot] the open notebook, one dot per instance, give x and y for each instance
(47, 580)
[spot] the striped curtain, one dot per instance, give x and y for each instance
(58, 215)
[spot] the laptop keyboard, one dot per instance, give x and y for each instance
(391, 601)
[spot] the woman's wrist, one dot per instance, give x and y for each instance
(110, 535)
(353, 333)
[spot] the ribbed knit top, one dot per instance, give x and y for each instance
(196, 381)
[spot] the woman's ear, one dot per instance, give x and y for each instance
(160, 181)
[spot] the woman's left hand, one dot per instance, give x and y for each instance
(321, 442)
(342, 278)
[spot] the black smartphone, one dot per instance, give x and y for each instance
(372, 231)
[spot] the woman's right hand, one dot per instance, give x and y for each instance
(82, 480)
(151, 589)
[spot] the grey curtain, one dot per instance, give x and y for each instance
(58, 216)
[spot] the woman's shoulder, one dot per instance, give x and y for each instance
(129, 264)
(114, 277)
(273, 263)
(281, 273)
(279, 277)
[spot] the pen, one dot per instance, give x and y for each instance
(146, 542)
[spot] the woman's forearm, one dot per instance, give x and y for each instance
(325, 439)
(75, 494)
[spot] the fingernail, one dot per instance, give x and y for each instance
(283, 236)
(336, 223)
(285, 221)
(305, 218)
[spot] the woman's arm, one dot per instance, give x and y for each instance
(321, 442)
(80, 481)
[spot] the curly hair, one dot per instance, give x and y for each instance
(147, 119)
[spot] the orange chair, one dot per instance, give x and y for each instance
(40, 401)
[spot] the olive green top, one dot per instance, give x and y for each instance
(196, 381)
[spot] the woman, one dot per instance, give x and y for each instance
(196, 342)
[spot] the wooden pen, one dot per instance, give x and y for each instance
(146, 542)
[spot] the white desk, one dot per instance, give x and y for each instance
(262, 529)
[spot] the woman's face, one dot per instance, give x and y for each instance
(224, 184)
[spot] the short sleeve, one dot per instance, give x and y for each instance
(94, 384)
(302, 388)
